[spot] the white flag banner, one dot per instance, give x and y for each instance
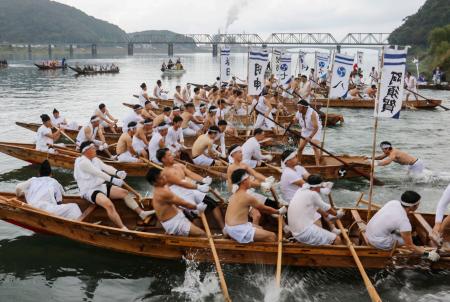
(275, 61)
(225, 66)
(359, 58)
(301, 62)
(342, 67)
(390, 97)
(257, 65)
(284, 75)
(321, 64)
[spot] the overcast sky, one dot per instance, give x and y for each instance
(252, 16)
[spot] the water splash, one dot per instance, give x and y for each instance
(196, 288)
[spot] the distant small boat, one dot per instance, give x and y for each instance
(47, 67)
(80, 71)
(168, 72)
(442, 86)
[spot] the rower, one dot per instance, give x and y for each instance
(203, 153)
(190, 124)
(210, 118)
(90, 132)
(124, 149)
(158, 91)
(186, 94)
(391, 226)
(140, 138)
(198, 98)
(143, 97)
(46, 193)
(411, 85)
(157, 141)
(106, 119)
(147, 112)
(222, 114)
(174, 138)
(166, 205)
(251, 149)
(194, 193)
(390, 154)
(306, 88)
(441, 224)
(100, 183)
(264, 119)
(163, 117)
(222, 125)
(237, 225)
(302, 214)
(59, 121)
(293, 176)
(371, 92)
(45, 137)
(373, 75)
(177, 96)
(311, 128)
(200, 115)
(134, 116)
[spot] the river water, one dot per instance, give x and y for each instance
(41, 268)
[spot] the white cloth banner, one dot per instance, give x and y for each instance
(284, 74)
(321, 64)
(257, 65)
(301, 62)
(342, 67)
(225, 66)
(275, 62)
(359, 58)
(390, 98)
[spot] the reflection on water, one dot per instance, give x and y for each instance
(40, 268)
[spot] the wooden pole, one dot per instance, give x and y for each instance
(280, 251)
(223, 284)
(131, 190)
(66, 135)
(369, 286)
(328, 106)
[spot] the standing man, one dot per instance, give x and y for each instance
(411, 84)
(311, 129)
(186, 94)
(373, 76)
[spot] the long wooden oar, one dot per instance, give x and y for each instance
(280, 242)
(296, 133)
(426, 99)
(66, 135)
(223, 284)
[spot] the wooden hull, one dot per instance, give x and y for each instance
(173, 72)
(43, 67)
(154, 243)
(81, 72)
(369, 104)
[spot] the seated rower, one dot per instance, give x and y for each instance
(237, 225)
(251, 149)
(124, 149)
(166, 205)
(174, 138)
(140, 138)
(177, 174)
(293, 175)
(257, 180)
(106, 119)
(134, 116)
(441, 224)
(45, 193)
(59, 121)
(191, 125)
(203, 152)
(163, 117)
(302, 215)
(178, 97)
(143, 98)
(391, 225)
(45, 137)
(158, 92)
(147, 111)
(100, 183)
(390, 154)
(371, 92)
(90, 132)
(311, 129)
(158, 141)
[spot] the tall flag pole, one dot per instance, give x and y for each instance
(389, 100)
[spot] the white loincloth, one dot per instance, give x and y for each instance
(69, 210)
(203, 160)
(177, 225)
(163, 96)
(138, 145)
(264, 123)
(127, 157)
(242, 233)
(315, 235)
(385, 243)
(190, 195)
(416, 168)
(189, 132)
(174, 148)
(317, 136)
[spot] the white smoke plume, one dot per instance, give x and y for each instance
(234, 11)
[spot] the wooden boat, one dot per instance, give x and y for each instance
(173, 72)
(330, 168)
(95, 229)
(369, 104)
(46, 67)
(79, 71)
(443, 86)
(160, 102)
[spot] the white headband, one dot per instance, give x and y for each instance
(235, 186)
(87, 147)
(291, 156)
(409, 204)
(213, 110)
(162, 127)
(148, 123)
(230, 158)
(95, 120)
(384, 146)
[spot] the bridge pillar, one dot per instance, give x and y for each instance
(170, 49)
(94, 50)
(30, 55)
(215, 49)
(338, 48)
(49, 51)
(71, 51)
(130, 49)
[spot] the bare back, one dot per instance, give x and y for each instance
(239, 208)
(201, 144)
(162, 204)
